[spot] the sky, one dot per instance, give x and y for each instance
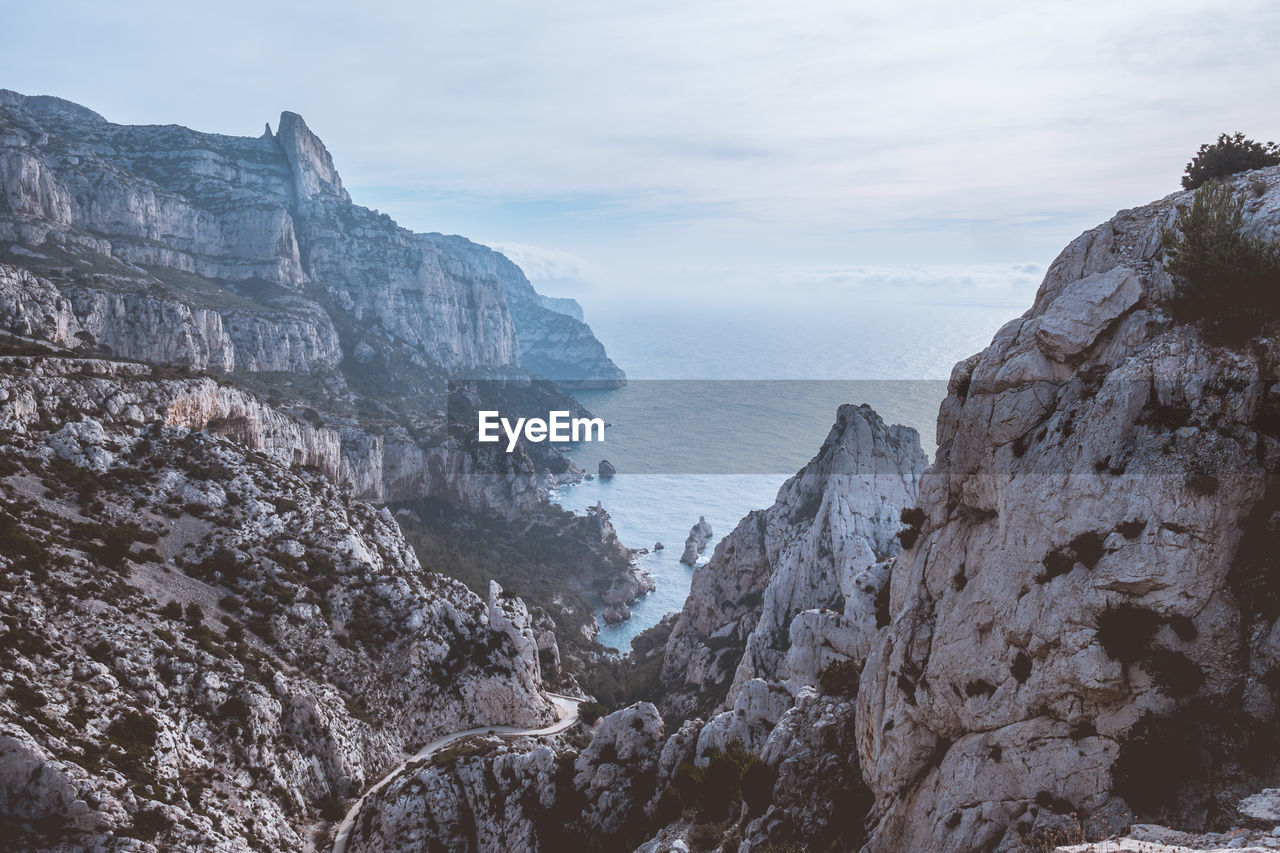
(678, 148)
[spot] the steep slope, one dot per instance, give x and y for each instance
(1086, 624)
(206, 647)
(788, 600)
(208, 357)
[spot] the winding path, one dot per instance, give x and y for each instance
(566, 708)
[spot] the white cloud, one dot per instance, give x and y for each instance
(821, 129)
(540, 264)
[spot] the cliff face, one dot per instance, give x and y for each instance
(245, 258)
(1087, 622)
(137, 208)
(208, 358)
(1082, 630)
(553, 342)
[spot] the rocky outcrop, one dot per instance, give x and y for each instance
(245, 258)
(509, 616)
(489, 793)
(484, 795)
(606, 470)
(1088, 587)
(696, 542)
(623, 592)
(795, 587)
(552, 343)
(615, 771)
(204, 646)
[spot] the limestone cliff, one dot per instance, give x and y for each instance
(794, 587)
(1081, 631)
(141, 209)
(1086, 624)
(245, 258)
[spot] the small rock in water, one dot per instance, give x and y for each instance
(699, 536)
(616, 613)
(658, 546)
(606, 470)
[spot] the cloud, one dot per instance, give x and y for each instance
(989, 129)
(548, 265)
(1011, 284)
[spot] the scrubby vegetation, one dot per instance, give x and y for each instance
(548, 559)
(1226, 280)
(618, 682)
(840, 678)
(731, 778)
(1232, 153)
(913, 521)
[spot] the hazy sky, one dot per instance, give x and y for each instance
(666, 142)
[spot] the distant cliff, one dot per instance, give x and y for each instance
(246, 260)
(231, 240)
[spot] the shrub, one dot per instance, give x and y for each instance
(331, 808)
(706, 836)
(1229, 155)
(1021, 667)
(234, 708)
(134, 730)
(1175, 674)
(979, 687)
(758, 781)
(913, 519)
(670, 806)
(1088, 548)
(150, 822)
(589, 712)
(172, 610)
(1226, 280)
(1126, 631)
(839, 678)
(26, 698)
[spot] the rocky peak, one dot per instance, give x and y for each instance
(313, 170)
(800, 579)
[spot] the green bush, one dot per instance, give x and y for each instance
(732, 776)
(840, 678)
(1226, 280)
(1229, 155)
(589, 712)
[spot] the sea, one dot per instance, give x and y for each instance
(725, 404)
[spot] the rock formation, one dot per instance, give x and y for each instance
(606, 471)
(696, 542)
(205, 645)
(563, 305)
(1083, 625)
(141, 209)
(796, 586)
(245, 258)
(208, 357)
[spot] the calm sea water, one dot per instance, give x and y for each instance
(725, 405)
